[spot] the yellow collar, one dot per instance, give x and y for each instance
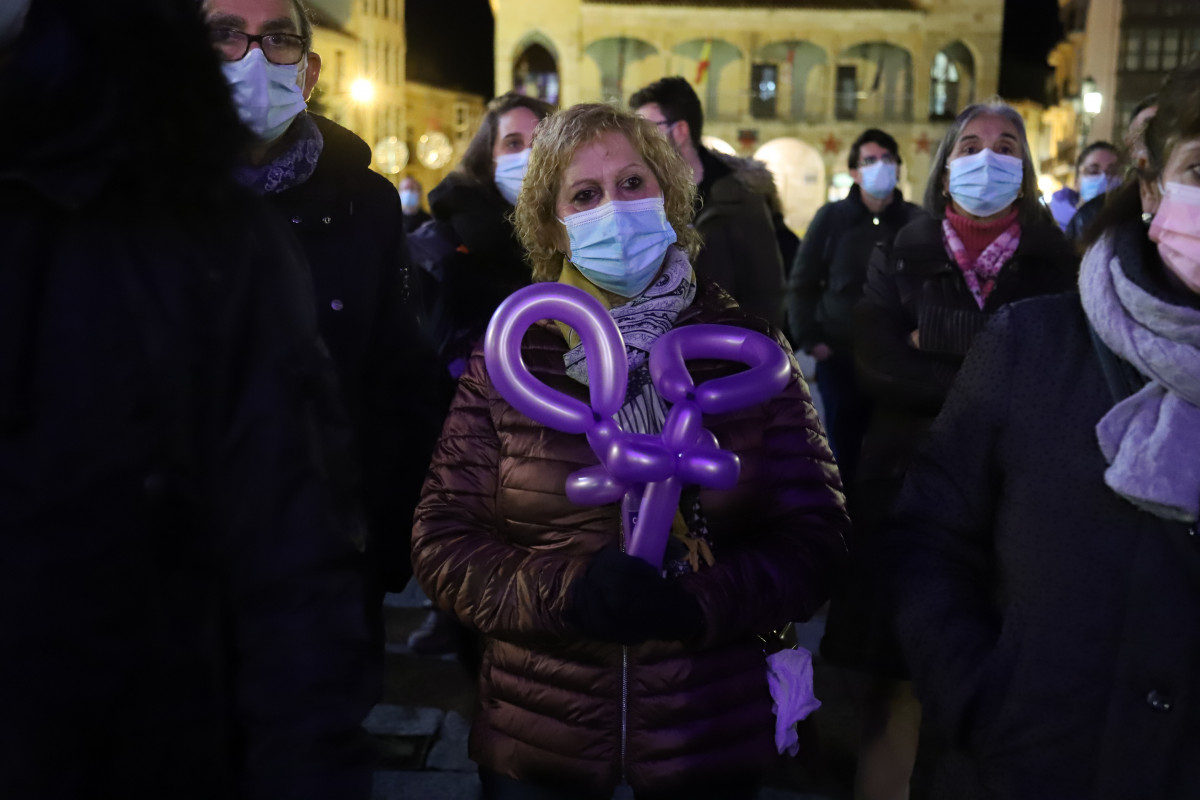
(571, 276)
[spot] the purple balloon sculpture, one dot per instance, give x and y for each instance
(645, 472)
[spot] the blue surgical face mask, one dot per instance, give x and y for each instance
(410, 201)
(268, 96)
(878, 179)
(985, 183)
(510, 174)
(619, 246)
(1091, 186)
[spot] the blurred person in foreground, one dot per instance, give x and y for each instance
(1047, 564)
(598, 668)
(348, 222)
(734, 202)
(180, 602)
(986, 241)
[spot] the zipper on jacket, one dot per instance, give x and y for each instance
(624, 710)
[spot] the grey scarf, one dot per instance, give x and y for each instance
(1152, 438)
(641, 321)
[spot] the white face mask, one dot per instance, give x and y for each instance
(878, 179)
(12, 19)
(510, 174)
(268, 96)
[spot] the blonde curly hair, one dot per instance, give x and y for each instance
(555, 142)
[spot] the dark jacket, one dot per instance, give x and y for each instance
(741, 250)
(348, 222)
(497, 541)
(415, 220)
(827, 279)
(1077, 228)
(470, 261)
(1049, 624)
(916, 286)
(180, 608)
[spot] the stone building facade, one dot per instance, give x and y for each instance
(791, 82)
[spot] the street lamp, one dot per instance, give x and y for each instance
(1092, 101)
(362, 91)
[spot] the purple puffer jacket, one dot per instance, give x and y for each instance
(497, 541)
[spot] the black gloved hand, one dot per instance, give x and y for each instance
(623, 599)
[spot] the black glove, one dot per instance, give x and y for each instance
(623, 599)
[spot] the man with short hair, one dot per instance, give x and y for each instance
(827, 281)
(733, 214)
(410, 202)
(348, 222)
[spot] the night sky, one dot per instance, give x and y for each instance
(450, 45)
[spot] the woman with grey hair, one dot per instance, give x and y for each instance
(985, 242)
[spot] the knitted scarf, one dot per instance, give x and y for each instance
(641, 321)
(290, 168)
(1149, 439)
(981, 273)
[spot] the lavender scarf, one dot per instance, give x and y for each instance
(290, 168)
(1149, 439)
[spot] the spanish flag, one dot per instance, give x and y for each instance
(702, 67)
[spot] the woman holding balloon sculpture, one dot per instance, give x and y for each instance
(600, 669)
(1046, 539)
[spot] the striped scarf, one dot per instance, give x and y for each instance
(981, 275)
(641, 321)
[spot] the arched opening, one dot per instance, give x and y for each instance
(802, 69)
(874, 83)
(615, 57)
(951, 81)
(708, 59)
(535, 73)
(799, 176)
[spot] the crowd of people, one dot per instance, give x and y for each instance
(243, 398)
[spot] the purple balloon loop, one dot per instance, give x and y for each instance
(697, 457)
(606, 363)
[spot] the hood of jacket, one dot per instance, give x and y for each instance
(479, 216)
(753, 175)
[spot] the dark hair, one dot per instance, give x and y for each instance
(477, 162)
(1176, 120)
(874, 136)
(678, 101)
(1146, 102)
(306, 26)
(1093, 147)
(174, 132)
(1029, 205)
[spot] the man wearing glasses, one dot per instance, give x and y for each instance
(733, 214)
(348, 222)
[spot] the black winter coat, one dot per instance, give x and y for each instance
(1049, 624)
(349, 224)
(916, 286)
(180, 604)
(470, 260)
(827, 279)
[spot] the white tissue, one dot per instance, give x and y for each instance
(790, 678)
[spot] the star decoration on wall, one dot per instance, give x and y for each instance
(832, 144)
(923, 142)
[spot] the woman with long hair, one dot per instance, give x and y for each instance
(1045, 544)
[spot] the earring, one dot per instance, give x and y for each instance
(1147, 218)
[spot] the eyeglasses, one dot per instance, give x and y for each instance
(278, 48)
(665, 123)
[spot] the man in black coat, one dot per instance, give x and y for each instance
(348, 222)
(827, 280)
(180, 598)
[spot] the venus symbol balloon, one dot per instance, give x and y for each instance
(645, 471)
